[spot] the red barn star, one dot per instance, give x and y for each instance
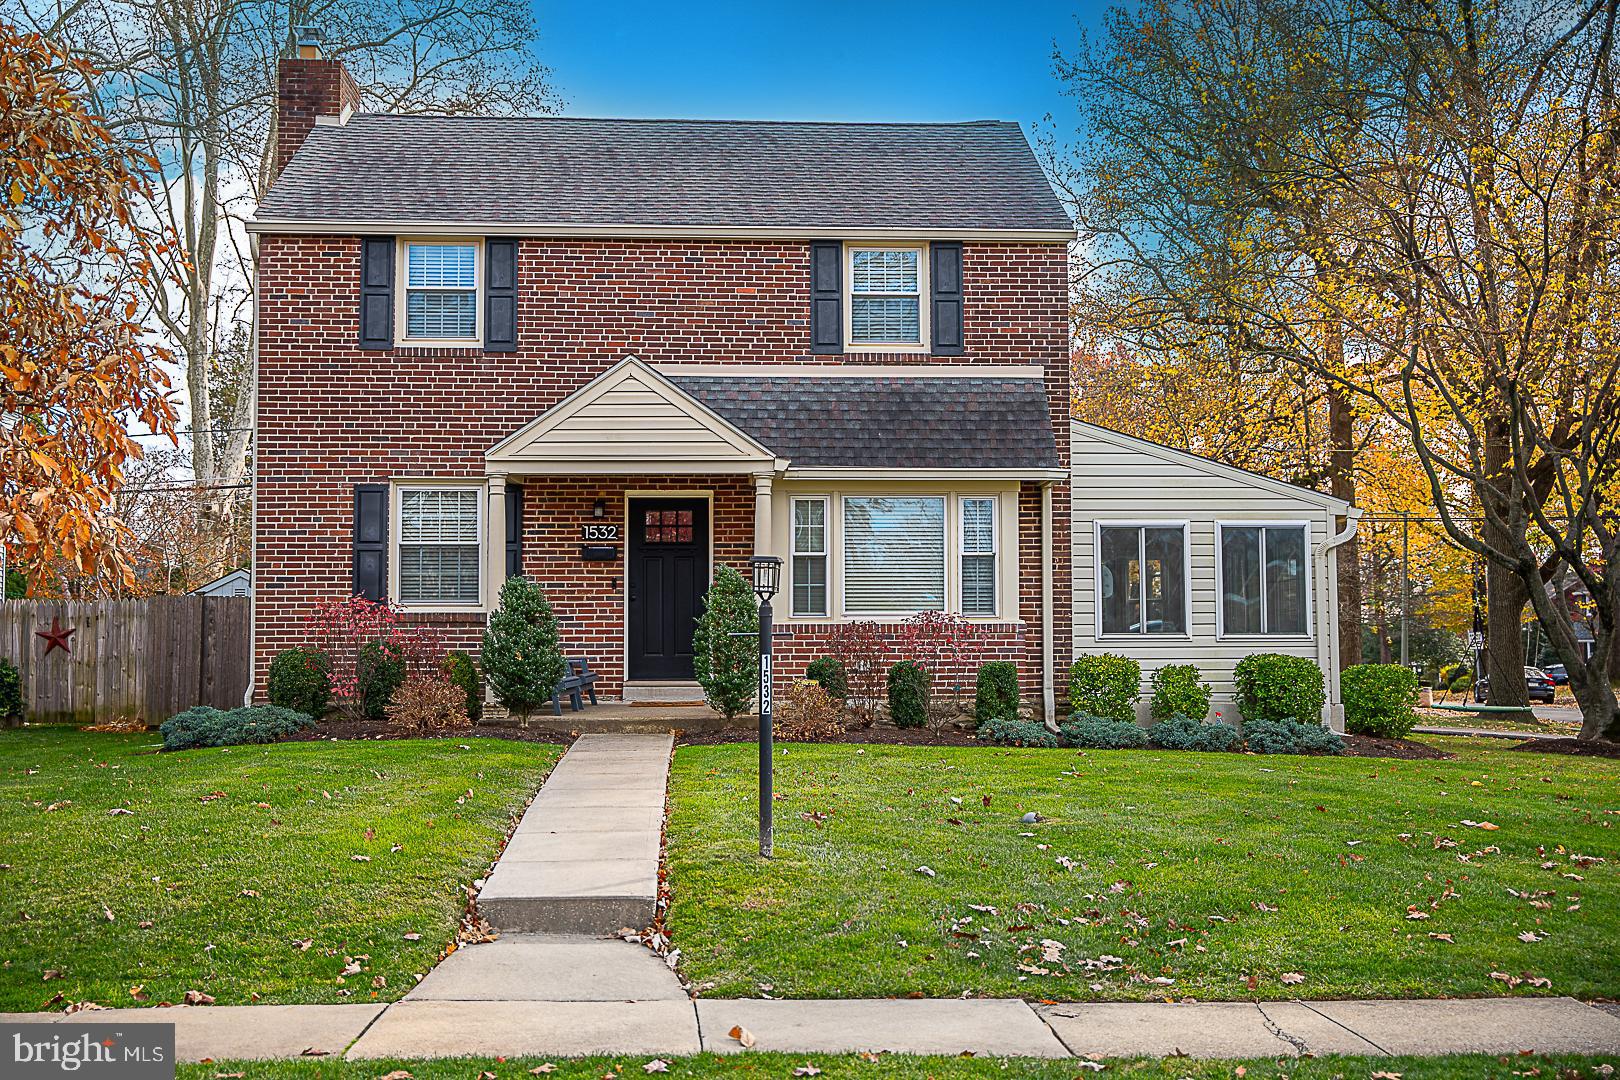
(56, 637)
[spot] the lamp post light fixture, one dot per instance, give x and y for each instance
(767, 571)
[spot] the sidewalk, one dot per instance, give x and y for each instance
(584, 861)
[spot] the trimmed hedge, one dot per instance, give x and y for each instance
(1182, 732)
(301, 680)
(202, 725)
(1275, 686)
(462, 673)
(908, 694)
(1102, 733)
(379, 668)
(1106, 685)
(1011, 731)
(1290, 737)
(1178, 691)
(1378, 700)
(997, 694)
(828, 672)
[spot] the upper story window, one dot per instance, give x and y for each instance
(1264, 576)
(885, 303)
(1142, 578)
(441, 285)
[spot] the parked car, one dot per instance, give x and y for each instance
(1537, 682)
(1558, 674)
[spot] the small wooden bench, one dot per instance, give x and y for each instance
(579, 680)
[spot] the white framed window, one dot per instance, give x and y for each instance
(1263, 575)
(440, 282)
(894, 554)
(1142, 572)
(978, 555)
(885, 305)
(809, 556)
(438, 553)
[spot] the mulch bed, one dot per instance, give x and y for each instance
(1573, 747)
(380, 730)
(1372, 746)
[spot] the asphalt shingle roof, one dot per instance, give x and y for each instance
(694, 173)
(889, 422)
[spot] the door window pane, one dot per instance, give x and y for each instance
(894, 555)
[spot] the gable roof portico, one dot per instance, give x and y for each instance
(634, 419)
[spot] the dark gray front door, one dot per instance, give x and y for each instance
(669, 573)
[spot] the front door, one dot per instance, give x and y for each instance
(669, 573)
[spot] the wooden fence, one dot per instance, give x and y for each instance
(129, 658)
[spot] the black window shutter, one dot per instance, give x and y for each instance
(377, 292)
(826, 296)
(514, 530)
(371, 541)
(945, 284)
(500, 295)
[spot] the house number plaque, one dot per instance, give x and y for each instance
(599, 532)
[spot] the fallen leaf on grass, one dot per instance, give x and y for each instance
(1530, 937)
(1094, 1066)
(1443, 937)
(83, 1006)
(138, 992)
(1291, 978)
(656, 1065)
(926, 871)
(541, 1070)
(310, 1051)
(743, 1036)
(1487, 826)
(360, 858)
(238, 1076)
(51, 973)
(303, 944)
(197, 997)
(1414, 913)
(115, 811)
(413, 936)
(807, 1069)
(397, 1074)
(1381, 1075)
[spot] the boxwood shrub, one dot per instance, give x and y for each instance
(1102, 732)
(1183, 732)
(1178, 691)
(1011, 731)
(1274, 686)
(1106, 685)
(908, 694)
(379, 668)
(997, 696)
(202, 725)
(462, 673)
(1378, 700)
(829, 673)
(1290, 737)
(301, 680)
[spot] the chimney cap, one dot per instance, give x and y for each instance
(307, 42)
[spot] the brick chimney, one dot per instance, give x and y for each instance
(309, 90)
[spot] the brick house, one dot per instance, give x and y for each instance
(614, 354)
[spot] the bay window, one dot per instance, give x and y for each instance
(1264, 579)
(894, 554)
(437, 550)
(1142, 578)
(978, 556)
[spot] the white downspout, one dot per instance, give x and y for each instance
(1328, 610)
(1048, 686)
(253, 489)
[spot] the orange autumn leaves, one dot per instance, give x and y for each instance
(76, 368)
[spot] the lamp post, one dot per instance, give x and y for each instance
(767, 570)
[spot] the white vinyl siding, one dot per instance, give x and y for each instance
(438, 546)
(1118, 480)
(885, 300)
(894, 554)
(809, 557)
(978, 556)
(441, 291)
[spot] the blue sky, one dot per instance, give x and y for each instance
(830, 61)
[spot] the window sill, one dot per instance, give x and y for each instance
(881, 347)
(1260, 639)
(448, 611)
(1142, 637)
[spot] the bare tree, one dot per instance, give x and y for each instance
(193, 85)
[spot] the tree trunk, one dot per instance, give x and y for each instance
(1342, 485)
(1505, 591)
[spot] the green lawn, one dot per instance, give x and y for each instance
(231, 859)
(1205, 876)
(840, 1067)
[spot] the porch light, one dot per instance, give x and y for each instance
(599, 509)
(767, 576)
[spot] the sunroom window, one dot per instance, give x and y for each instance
(441, 291)
(894, 555)
(438, 546)
(1264, 579)
(885, 296)
(1142, 579)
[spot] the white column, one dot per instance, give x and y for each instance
(1048, 683)
(762, 513)
(495, 541)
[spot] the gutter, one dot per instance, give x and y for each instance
(418, 227)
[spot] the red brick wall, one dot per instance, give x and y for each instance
(332, 416)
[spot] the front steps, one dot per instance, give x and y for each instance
(662, 692)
